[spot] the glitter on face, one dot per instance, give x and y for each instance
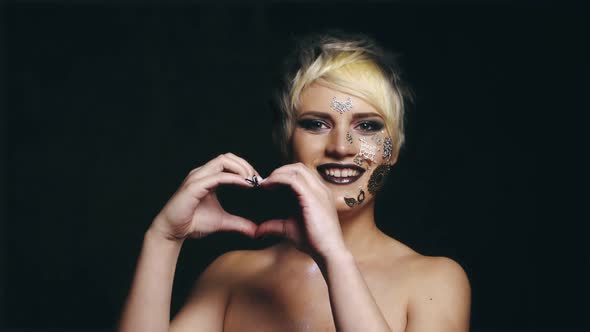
(348, 137)
(358, 160)
(377, 139)
(340, 106)
(368, 151)
(387, 148)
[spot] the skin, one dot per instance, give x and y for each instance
(335, 271)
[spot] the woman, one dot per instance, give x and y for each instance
(341, 125)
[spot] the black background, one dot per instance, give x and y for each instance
(107, 106)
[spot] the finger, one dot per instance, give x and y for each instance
(286, 179)
(235, 223)
(221, 163)
(249, 168)
(299, 171)
(200, 188)
(297, 176)
(246, 170)
(287, 228)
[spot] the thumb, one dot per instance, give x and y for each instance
(287, 228)
(239, 224)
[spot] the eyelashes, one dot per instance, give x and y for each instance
(312, 124)
(370, 126)
(317, 125)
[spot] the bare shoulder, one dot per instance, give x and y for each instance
(426, 271)
(439, 294)
(437, 291)
(436, 271)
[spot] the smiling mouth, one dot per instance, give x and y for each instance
(340, 173)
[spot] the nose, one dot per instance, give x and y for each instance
(339, 145)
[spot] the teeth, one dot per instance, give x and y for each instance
(341, 173)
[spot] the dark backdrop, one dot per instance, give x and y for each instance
(107, 106)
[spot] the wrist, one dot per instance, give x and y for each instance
(156, 233)
(336, 256)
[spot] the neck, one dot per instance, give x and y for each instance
(359, 231)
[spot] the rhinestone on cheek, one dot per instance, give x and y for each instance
(387, 148)
(368, 150)
(358, 160)
(377, 139)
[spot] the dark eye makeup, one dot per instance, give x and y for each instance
(316, 125)
(312, 124)
(370, 126)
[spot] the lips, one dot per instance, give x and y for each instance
(340, 173)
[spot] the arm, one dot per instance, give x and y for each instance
(192, 212)
(318, 233)
(152, 288)
(148, 303)
(353, 305)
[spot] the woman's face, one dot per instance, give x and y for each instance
(343, 140)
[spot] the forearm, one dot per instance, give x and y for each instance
(148, 304)
(353, 305)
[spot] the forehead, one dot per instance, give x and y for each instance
(317, 97)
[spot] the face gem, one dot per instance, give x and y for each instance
(341, 107)
(368, 150)
(377, 139)
(387, 148)
(348, 137)
(377, 179)
(358, 160)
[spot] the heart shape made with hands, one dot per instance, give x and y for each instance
(257, 203)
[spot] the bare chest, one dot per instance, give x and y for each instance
(299, 301)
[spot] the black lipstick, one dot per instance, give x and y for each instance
(322, 169)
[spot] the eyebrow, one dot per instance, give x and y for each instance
(325, 115)
(322, 115)
(366, 115)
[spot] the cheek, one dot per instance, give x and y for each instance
(306, 147)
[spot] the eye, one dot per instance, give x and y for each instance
(312, 124)
(370, 126)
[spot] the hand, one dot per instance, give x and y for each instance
(194, 211)
(317, 230)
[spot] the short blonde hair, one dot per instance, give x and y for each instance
(352, 64)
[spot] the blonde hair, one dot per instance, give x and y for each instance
(352, 64)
